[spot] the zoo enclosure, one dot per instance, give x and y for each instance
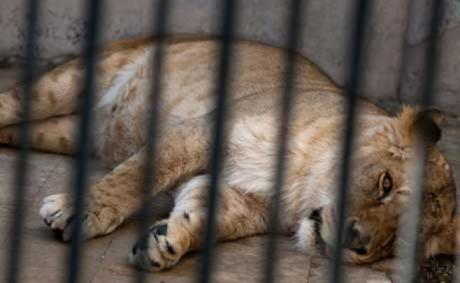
(229, 23)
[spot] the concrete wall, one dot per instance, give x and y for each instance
(327, 26)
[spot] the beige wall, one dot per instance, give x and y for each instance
(324, 38)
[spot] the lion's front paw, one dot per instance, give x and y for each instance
(58, 214)
(160, 248)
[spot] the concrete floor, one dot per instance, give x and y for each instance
(44, 259)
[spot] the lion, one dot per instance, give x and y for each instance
(380, 187)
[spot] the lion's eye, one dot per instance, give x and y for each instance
(385, 184)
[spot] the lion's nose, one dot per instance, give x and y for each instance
(356, 238)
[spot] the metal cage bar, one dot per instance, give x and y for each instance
(362, 10)
(31, 17)
(410, 249)
(229, 21)
(153, 123)
(294, 22)
(93, 14)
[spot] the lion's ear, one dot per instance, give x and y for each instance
(425, 124)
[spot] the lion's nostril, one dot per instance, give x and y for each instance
(351, 233)
(134, 249)
(355, 238)
(365, 239)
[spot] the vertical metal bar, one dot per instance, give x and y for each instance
(229, 21)
(153, 122)
(295, 23)
(351, 88)
(432, 53)
(405, 49)
(410, 248)
(93, 8)
(21, 166)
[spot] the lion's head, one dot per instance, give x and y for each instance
(381, 187)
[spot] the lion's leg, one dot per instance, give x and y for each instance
(57, 92)
(239, 215)
(182, 152)
(56, 135)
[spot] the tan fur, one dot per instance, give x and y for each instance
(55, 134)
(384, 145)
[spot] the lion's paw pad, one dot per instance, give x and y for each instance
(156, 250)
